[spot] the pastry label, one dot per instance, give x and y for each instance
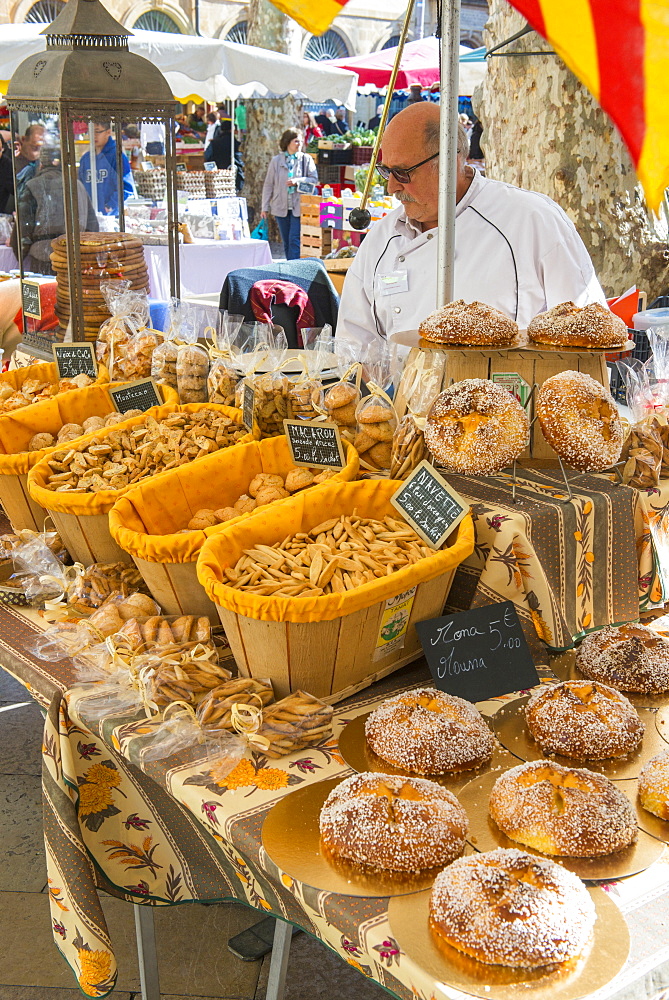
(140, 395)
(478, 654)
(314, 444)
(429, 504)
(394, 624)
(75, 359)
(514, 383)
(248, 406)
(32, 306)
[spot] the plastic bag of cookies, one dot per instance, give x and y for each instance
(643, 448)
(125, 342)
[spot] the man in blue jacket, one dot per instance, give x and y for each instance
(105, 168)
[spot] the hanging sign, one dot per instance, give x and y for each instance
(429, 504)
(315, 444)
(75, 359)
(248, 406)
(140, 395)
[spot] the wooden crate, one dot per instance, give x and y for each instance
(315, 242)
(310, 210)
(87, 538)
(176, 588)
(331, 659)
(534, 366)
(18, 505)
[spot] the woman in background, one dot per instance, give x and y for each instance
(280, 195)
(312, 129)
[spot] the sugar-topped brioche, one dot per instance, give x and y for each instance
(583, 719)
(630, 657)
(395, 823)
(565, 811)
(506, 907)
(429, 732)
(470, 324)
(579, 419)
(654, 785)
(568, 325)
(476, 426)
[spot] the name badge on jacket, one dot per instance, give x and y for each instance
(392, 283)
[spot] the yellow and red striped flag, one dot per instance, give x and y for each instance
(314, 15)
(620, 50)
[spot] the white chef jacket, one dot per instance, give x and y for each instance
(515, 250)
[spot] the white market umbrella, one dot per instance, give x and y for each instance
(205, 69)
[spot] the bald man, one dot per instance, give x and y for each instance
(514, 249)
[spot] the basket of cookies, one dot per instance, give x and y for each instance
(323, 591)
(165, 540)
(79, 486)
(31, 433)
(34, 383)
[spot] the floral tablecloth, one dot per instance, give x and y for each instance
(188, 832)
(569, 566)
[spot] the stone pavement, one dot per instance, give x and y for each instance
(192, 939)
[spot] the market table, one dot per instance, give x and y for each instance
(204, 264)
(181, 833)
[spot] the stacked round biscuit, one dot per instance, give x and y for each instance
(104, 257)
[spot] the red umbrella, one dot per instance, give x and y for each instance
(420, 65)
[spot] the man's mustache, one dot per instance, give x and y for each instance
(404, 197)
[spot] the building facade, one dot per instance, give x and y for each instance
(363, 26)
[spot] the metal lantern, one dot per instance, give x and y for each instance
(67, 105)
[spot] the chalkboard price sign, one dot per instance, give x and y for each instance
(30, 298)
(315, 444)
(432, 507)
(75, 359)
(248, 406)
(140, 395)
(478, 654)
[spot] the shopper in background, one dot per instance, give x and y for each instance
(340, 125)
(105, 169)
(212, 122)
(42, 211)
(311, 129)
(152, 138)
(197, 121)
(376, 120)
(6, 175)
(280, 195)
(240, 117)
(220, 150)
(324, 123)
(28, 147)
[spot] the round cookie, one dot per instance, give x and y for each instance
(429, 732)
(393, 823)
(506, 907)
(476, 427)
(564, 811)
(579, 419)
(583, 719)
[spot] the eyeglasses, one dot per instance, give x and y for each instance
(402, 176)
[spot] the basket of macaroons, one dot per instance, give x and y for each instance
(165, 539)
(30, 433)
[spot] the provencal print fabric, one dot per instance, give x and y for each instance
(122, 836)
(569, 566)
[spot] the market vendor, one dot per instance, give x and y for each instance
(514, 249)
